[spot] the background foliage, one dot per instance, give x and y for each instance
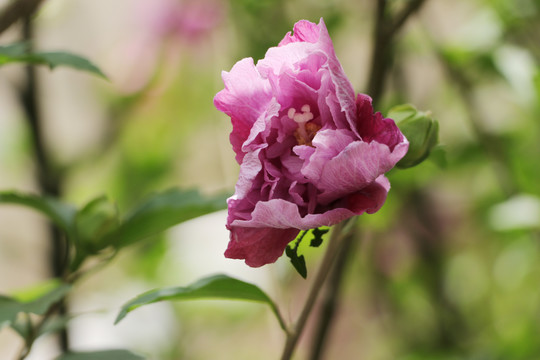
(448, 269)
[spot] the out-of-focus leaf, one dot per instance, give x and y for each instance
(212, 287)
(43, 303)
(476, 62)
(60, 213)
(96, 219)
(37, 300)
(36, 291)
(438, 156)
(101, 355)
(160, 212)
(19, 52)
(60, 58)
(54, 324)
(9, 308)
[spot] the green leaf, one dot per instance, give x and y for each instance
(298, 261)
(60, 213)
(54, 324)
(9, 308)
(43, 303)
(160, 212)
(20, 52)
(60, 58)
(96, 219)
(212, 287)
(37, 300)
(101, 355)
(36, 291)
(317, 236)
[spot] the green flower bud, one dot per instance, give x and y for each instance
(420, 129)
(94, 221)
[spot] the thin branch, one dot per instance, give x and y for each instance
(385, 30)
(383, 35)
(17, 10)
(401, 18)
(331, 298)
(334, 245)
(379, 55)
(48, 179)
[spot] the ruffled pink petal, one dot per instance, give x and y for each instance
(251, 166)
(373, 127)
(357, 166)
(244, 99)
(327, 145)
(258, 246)
(303, 31)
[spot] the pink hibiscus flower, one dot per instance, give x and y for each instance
(311, 153)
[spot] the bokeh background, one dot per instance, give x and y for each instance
(448, 269)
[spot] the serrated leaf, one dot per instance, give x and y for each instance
(60, 213)
(299, 262)
(20, 52)
(317, 236)
(160, 212)
(101, 355)
(212, 287)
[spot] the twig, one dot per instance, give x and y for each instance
(384, 30)
(331, 300)
(17, 10)
(401, 18)
(334, 245)
(48, 179)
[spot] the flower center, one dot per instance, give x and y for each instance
(306, 130)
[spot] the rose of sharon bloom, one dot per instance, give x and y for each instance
(311, 153)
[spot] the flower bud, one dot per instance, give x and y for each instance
(420, 129)
(94, 221)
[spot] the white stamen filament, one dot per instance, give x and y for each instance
(301, 118)
(291, 113)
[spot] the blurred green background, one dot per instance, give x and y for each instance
(448, 269)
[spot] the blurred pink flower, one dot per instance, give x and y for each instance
(162, 30)
(310, 152)
(185, 19)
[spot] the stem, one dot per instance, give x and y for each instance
(332, 292)
(384, 31)
(49, 181)
(334, 245)
(17, 10)
(379, 57)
